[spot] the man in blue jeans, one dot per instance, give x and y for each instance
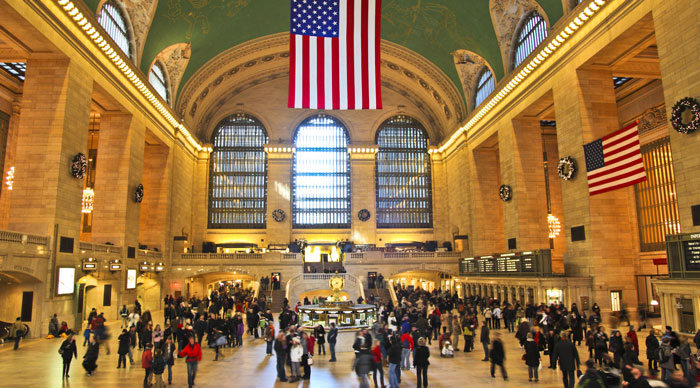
(394, 362)
(332, 339)
(281, 353)
(406, 350)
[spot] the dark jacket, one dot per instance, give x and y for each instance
(69, 350)
(652, 344)
(333, 335)
(591, 379)
(168, 352)
(92, 351)
(365, 362)
(421, 357)
(124, 343)
(497, 353)
(565, 351)
(532, 353)
(485, 338)
(395, 353)
(158, 365)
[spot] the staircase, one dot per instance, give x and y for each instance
(381, 294)
(277, 299)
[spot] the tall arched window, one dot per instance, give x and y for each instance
(157, 79)
(404, 195)
(484, 86)
(321, 182)
(532, 32)
(238, 174)
(112, 20)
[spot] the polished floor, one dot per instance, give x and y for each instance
(37, 364)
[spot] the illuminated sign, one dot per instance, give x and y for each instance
(66, 281)
(130, 279)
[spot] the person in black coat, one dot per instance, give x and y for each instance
(652, 344)
(532, 357)
(332, 339)
(68, 350)
(91, 354)
(485, 339)
(168, 349)
(124, 344)
(497, 354)
(420, 362)
(567, 355)
(394, 361)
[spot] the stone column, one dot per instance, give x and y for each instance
(586, 110)
(201, 201)
(279, 193)
(363, 196)
(10, 148)
(154, 215)
(486, 210)
(522, 168)
(677, 35)
(441, 231)
(118, 172)
(52, 129)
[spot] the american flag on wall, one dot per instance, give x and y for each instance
(334, 54)
(615, 161)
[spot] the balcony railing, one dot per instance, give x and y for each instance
(240, 256)
(23, 238)
(90, 247)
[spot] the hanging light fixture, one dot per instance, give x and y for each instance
(88, 200)
(554, 226)
(10, 179)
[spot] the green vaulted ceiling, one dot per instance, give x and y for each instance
(433, 28)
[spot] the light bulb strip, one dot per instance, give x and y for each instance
(536, 61)
(112, 54)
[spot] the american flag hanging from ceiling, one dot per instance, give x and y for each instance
(334, 54)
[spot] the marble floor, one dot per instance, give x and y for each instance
(37, 364)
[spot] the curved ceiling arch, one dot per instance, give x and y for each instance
(260, 63)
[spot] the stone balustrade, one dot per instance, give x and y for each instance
(219, 257)
(9, 237)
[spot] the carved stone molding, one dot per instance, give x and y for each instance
(141, 14)
(175, 59)
(652, 118)
(506, 16)
(469, 66)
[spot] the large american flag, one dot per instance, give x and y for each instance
(615, 161)
(334, 54)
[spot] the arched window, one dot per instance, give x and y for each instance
(532, 32)
(112, 20)
(156, 77)
(321, 181)
(404, 195)
(484, 86)
(238, 174)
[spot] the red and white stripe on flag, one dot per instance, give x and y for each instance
(622, 163)
(337, 72)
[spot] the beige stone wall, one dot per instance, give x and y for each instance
(156, 200)
(487, 234)
(457, 194)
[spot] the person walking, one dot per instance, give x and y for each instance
(394, 362)
(90, 357)
(193, 352)
(157, 369)
(420, 361)
(497, 355)
(332, 339)
(123, 348)
(532, 358)
(485, 340)
(407, 345)
(566, 353)
(280, 347)
(377, 364)
(168, 349)
(363, 365)
(147, 364)
(295, 355)
(68, 350)
(17, 331)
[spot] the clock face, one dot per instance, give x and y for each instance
(337, 283)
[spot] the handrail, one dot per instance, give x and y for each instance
(88, 246)
(23, 238)
(393, 293)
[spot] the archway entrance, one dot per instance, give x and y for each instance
(20, 295)
(222, 282)
(427, 280)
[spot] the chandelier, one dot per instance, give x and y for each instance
(554, 226)
(88, 200)
(10, 179)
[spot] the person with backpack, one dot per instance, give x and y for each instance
(17, 331)
(407, 345)
(157, 368)
(68, 350)
(665, 358)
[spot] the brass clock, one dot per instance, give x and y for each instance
(336, 283)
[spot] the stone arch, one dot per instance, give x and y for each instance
(507, 16)
(469, 66)
(125, 13)
(174, 59)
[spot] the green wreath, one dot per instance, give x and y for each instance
(677, 115)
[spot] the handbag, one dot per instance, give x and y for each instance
(310, 360)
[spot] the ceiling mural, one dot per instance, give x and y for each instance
(434, 29)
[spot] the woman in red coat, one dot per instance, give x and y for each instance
(194, 355)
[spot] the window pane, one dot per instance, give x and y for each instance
(404, 190)
(157, 79)
(321, 182)
(485, 86)
(532, 33)
(657, 206)
(238, 174)
(113, 22)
